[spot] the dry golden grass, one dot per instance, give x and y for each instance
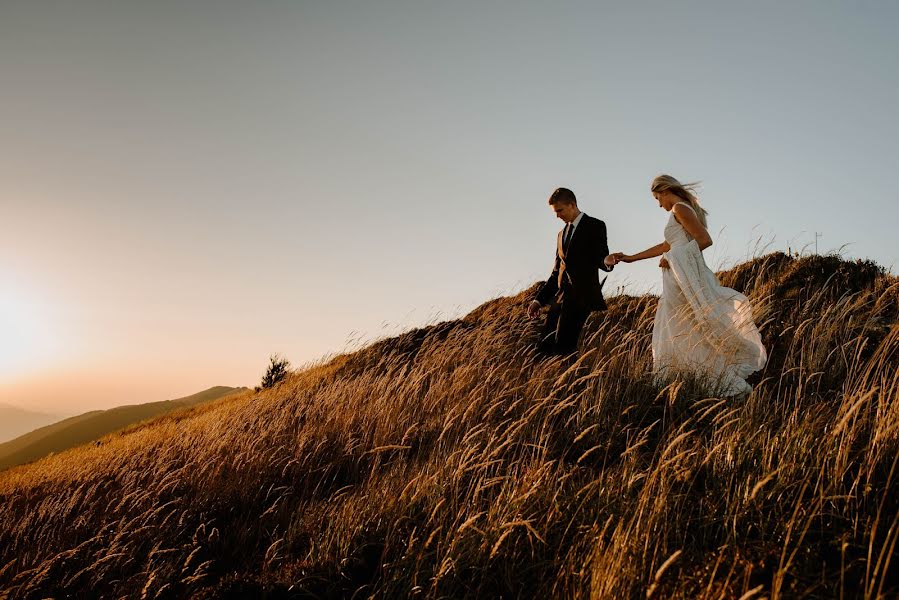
(447, 462)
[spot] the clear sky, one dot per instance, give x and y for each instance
(188, 187)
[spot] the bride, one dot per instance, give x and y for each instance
(700, 326)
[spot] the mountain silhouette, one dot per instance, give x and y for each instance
(92, 425)
(15, 421)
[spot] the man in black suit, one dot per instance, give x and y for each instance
(573, 290)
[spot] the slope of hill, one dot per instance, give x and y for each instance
(14, 421)
(92, 425)
(448, 462)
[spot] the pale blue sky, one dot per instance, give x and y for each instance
(187, 187)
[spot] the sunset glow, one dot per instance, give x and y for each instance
(19, 332)
(186, 191)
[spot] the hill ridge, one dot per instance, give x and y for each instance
(91, 425)
(448, 462)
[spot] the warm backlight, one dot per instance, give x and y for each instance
(20, 330)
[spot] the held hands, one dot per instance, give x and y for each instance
(617, 257)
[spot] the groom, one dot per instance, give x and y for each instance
(573, 290)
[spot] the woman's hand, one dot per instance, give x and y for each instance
(621, 257)
(664, 263)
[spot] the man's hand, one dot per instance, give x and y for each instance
(534, 309)
(664, 263)
(610, 261)
(620, 257)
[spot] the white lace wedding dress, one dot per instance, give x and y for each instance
(700, 326)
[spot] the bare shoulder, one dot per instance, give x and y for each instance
(683, 212)
(682, 209)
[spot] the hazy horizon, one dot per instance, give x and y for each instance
(186, 189)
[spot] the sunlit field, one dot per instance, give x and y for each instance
(449, 463)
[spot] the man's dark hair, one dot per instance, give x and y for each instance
(562, 196)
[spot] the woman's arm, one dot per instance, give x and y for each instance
(689, 221)
(656, 250)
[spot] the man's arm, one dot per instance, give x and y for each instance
(551, 286)
(602, 247)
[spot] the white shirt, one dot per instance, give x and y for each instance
(574, 223)
(577, 220)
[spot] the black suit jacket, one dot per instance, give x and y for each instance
(575, 276)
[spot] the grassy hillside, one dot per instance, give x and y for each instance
(92, 425)
(447, 462)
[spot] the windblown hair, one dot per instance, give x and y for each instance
(684, 191)
(562, 196)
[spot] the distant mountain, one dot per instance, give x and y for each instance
(14, 421)
(90, 426)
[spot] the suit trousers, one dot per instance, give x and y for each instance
(562, 328)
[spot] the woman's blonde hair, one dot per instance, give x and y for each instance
(684, 191)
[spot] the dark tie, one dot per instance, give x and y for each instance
(566, 236)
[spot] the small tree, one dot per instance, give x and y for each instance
(278, 368)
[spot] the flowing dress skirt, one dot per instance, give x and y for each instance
(703, 327)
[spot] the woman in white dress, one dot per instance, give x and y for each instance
(700, 326)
